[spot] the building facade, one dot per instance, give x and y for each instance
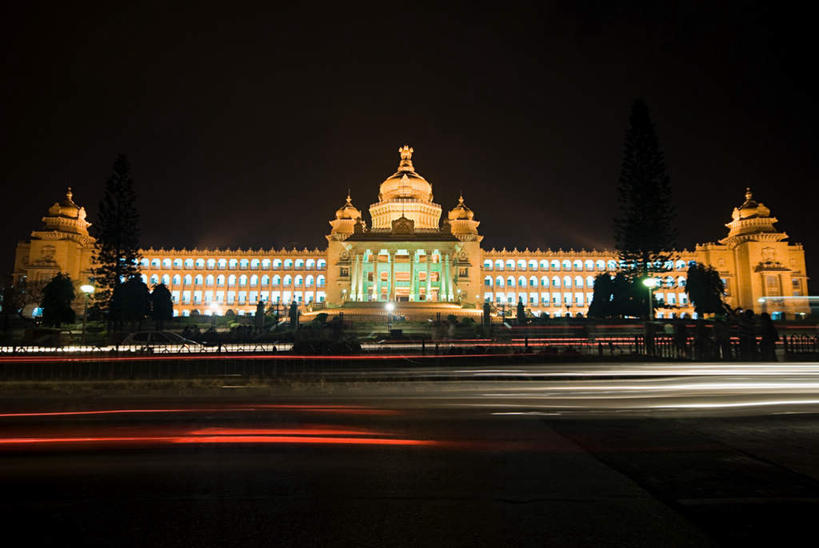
(410, 256)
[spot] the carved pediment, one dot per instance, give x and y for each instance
(402, 225)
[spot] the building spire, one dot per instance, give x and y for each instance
(748, 194)
(406, 158)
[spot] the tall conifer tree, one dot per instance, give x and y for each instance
(117, 233)
(644, 229)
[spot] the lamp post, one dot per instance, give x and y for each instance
(650, 283)
(87, 289)
(389, 308)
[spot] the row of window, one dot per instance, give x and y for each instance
(218, 298)
(571, 299)
(241, 281)
(235, 264)
(556, 281)
(566, 264)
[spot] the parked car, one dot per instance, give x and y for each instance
(149, 339)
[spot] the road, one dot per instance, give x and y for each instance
(570, 455)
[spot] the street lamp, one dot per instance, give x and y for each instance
(389, 307)
(650, 283)
(87, 289)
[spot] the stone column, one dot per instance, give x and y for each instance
(445, 277)
(429, 278)
(391, 286)
(412, 276)
(354, 277)
(360, 279)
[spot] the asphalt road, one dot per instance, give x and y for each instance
(441, 463)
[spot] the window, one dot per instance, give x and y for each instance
(266, 264)
(567, 281)
(544, 281)
(343, 272)
(612, 265)
(233, 264)
(498, 264)
(310, 264)
(242, 280)
(544, 264)
(166, 279)
(521, 264)
(555, 264)
(578, 281)
(188, 279)
(177, 279)
(200, 264)
(211, 264)
(209, 280)
(487, 281)
(222, 264)
(555, 281)
(277, 264)
(188, 263)
(265, 280)
(532, 264)
(277, 280)
(320, 282)
(232, 280)
(288, 280)
(578, 264)
(220, 280)
(154, 263)
(254, 280)
(487, 264)
(254, 264)
(299, 264)
(243, 263)
(499, 281)
(510, 281)
(177, 264)
(154, 279)
(288, 264)
(589, 264)
(197, 280)
(308, 281)
(533, 281)
(166, 263)
(321, 264)
(510, 264)
(299, 280)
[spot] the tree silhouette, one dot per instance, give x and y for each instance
(56, 301)
(117, 234)
(161, 305)
(644, 228)
(521, 312)
(602, 305)
(705, 289)
(130, 303)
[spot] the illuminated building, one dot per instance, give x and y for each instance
(409, 256)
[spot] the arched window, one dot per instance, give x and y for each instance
(243, 264)
(681, 265)
(232, 280)
(589, 282)
(166, 279)
(232, 264)
(242, 280)
(211, 264)
(176, 279)
(487, 264)
(197, 280)
(188, 263)
(321, 264)
(154, 263)
(145, 263)
(521, 264)
(567, 281)
(144, 278)
(320, 280)
(220, 280)
(533, 281)
(578, 264)
(510, 264)
(188, 279)
(522, 281)
(200, 264)
(288, 280)
(510, 281)
(499, 264)
(681, 281)
(209, 280)
(310, 264)
(277, 280)
(254, 264)
(567, 264)
(601, 264)
(288, 264)
(308, 281)
(487, 281)
(532, 264)
(222, 264)
(555, 281)
(589, 264)
(555, 264)
(154, 279)
(544, 281)
(578, 281)
(277, 264)
(265, 264)
(499, 281)
(612, 265)
(299, 280)
(299, 264)
(254, 280)
(265, 280)
(166, 263)
(544, 264)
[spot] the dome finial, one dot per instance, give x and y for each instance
(349, 200)
(406, 158)
(69, 195)
(748, 194)
(461, 198)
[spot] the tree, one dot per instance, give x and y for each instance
(705, 289)
(117, 234)
(602, 305)
(644, 228)
(258, 319)
(130, 303)
(521, 312)
(56, 301)
(161, 305)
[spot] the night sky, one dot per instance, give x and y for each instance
(246, 126)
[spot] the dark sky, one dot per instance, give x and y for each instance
(245, 126)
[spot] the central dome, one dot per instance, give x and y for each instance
(405, 183)
(405, 194)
